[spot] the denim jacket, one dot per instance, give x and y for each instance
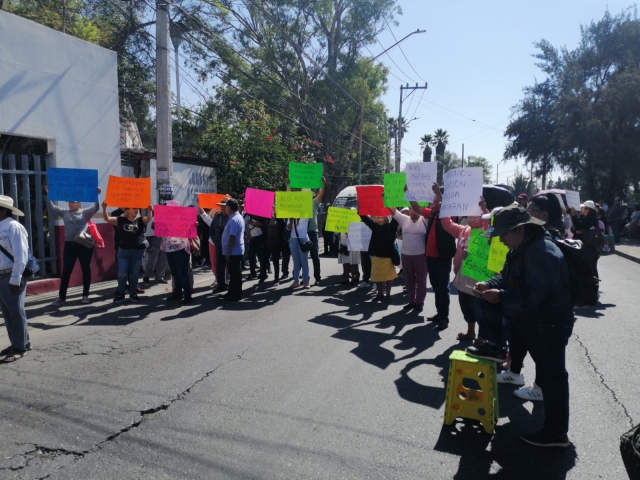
(534, 283)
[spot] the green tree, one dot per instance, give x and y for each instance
(481, 162)
(521, 184)
(448, 161)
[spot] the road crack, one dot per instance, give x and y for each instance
(604, 383)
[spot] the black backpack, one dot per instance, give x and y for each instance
(583, 284)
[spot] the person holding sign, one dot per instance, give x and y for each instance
(349, 260)
(381, 247)
(414, 265)
(533, 290)
(300, 246)
(131, 246)
(178, 252)
(217, 221)
(233, 250)
(313, 233)
(75, 220)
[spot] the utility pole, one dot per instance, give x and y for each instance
(463, 155)
(64, 16)
(164, 154)
(176, 39)
(400, 127)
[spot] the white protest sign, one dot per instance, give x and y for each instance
(573, 199)
(420, 178)
(359, 237)
(462, 192)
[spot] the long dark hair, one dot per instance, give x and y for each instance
(551, 205)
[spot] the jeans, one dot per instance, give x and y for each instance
(315, 259)
(547, 345)
(15, 317)
(616, 226)
(179, 266)
(157, 261)
(300, 259)
(490, 325)
(256, 246)
(235, 276)
(73, 251)
(365, 262)
(439, 276)
(129, 261)
(415, 277)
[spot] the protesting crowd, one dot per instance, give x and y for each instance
(519, 267)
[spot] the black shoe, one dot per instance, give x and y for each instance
(284, 275)
(139, 290)
(220, 289)
(442, 324)
(145, 279)
(377, 298)
(417, 308)
(485, 351)
(251, 277)
(173, 298)
(386, 299)
(119, 298)
(435, 318)
(161, 280)
(134, 298)
(262, 280)
(319, 281)
(409, 306)
(186, 300)
(544, 439)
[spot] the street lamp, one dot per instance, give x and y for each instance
(497, 167)
(371, 60)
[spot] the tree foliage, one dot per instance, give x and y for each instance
(480, 162)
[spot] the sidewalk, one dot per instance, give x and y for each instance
(629, 249)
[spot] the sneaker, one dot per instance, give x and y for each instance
(443, 324)
(139, 290)
(435, 318)
(488, 353)
(284, 275)
(545, 439)
(533, 393)
(509, 377)
(363, 284)
(119, 298)
(134, 298)
(85, 300)
(59, 302)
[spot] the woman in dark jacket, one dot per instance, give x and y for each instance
(381, 246)
(533, 289)
(586, 221)
(277, 244)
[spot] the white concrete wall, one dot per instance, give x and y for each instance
(56, 87)
(187, 181)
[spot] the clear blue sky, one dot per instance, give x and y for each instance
(476, 58)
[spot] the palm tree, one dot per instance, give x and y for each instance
(440, 141)
(425, 143)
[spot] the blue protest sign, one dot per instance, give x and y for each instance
(73, 184)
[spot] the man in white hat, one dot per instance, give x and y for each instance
(14, 253)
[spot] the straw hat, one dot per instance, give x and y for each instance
(7, 202)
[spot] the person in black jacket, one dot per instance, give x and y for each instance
(383, 238)
(587, 220)
(278, 244)
(440, 250)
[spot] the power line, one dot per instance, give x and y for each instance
(405, 57)
(391, 58)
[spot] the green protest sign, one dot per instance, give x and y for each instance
(475, 264)
(394, 190)
(305, 175)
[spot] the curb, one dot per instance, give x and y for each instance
(627, 256)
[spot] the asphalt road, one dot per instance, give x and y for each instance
(315, 384)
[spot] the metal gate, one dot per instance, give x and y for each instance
(24, 185)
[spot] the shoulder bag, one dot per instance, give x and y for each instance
(83, 237)
(30, 268)
(304, 246)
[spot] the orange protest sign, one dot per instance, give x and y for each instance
(211, 200)
(126, 192)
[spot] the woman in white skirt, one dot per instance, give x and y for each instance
(349, 261)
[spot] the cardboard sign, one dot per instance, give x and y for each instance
(338, 219)
(177, 222)
(359, 237)
(259, 202)
(497, 255)
(462, 192)
(420, 179)
(394, 190)
(294, 204)
(210, 200)
(126, 192)
(370, 201)
(475, 265)
(305, 175)
(73, 184)
(573, 199)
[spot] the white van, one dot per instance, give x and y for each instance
(348, 197)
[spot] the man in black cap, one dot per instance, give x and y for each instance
(533, 291)
(616, 218)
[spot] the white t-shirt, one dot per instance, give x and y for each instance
(414, 235)
(302, 225)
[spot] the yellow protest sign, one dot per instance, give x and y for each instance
(294, 204)
(338, 219)
(497, 255)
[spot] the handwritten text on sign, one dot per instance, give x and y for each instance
(128, 192)
(370, 200)
(294, 204)
(475, 264)
(259, 202)
(462, 192)
(394, 190)
(338, 219)
(497, 255)
(73, 184)
(175, 221)
(359, 237)
(305, 175)
(420, 179)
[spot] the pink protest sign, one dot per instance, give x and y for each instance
(175, 221)
(259, 202)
